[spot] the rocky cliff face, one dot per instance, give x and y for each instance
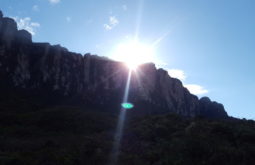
(57, 75)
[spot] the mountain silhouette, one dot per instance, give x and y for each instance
(62, 108)
(53, 75)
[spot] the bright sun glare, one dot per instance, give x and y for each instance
(134, 53)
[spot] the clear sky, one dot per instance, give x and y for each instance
(209, 44)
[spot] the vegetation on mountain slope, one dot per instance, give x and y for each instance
(73, 135)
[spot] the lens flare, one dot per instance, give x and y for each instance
(127, 105)
(120, 124)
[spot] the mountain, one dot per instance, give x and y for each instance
(52, 75)
(61, 108)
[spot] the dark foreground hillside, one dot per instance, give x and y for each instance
(170, 139)
(78, 136)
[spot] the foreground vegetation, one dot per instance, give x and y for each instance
(71, 135)
(171, 139)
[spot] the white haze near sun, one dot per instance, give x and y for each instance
(134, 53)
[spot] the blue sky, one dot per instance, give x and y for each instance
(209, 44)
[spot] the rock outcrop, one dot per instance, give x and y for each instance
(212, 109)
(59, 76)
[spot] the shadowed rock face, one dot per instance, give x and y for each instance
(55, 75)
(212, 109)
(23, 36)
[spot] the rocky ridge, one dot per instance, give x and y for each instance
(58, 76)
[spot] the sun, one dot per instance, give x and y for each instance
(134, 53)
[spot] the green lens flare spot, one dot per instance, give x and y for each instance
(127, 105)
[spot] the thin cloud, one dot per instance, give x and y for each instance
(177, 73)
(113, 21)
(196, 89)
(54, 1)
(27, 24)
(193, 88)
(107, 27)
(35, 8)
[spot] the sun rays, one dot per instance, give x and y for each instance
(134, 53)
